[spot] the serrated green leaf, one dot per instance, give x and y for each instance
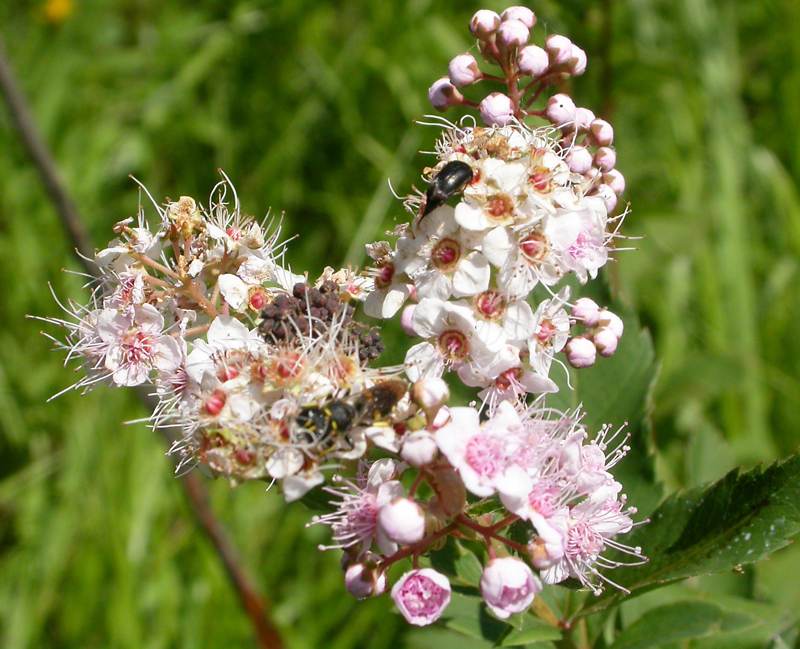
(616, 391)
(737, 520)
(680, 621)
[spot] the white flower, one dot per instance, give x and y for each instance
(442, 259)
(481, 453)
(136, 344)
(499, 197)
(551, 332)
(452, 339)
(578, 238)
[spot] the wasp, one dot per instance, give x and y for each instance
(328, 425)
(451, 179)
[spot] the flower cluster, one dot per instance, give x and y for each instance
(269, 375)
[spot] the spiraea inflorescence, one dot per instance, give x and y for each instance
(270, 375)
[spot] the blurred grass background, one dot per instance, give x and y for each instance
(309, 107)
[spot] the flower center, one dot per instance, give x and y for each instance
(422, 596)
(583, 543)
(445, 254)
(500, 207)
(542, 499)
(233, 233)
(533, 247)
(507, 378)
(490, 304)
(453, 345)
(215, 403)
(546, 331)
(540, 178)
(484, 454)
(583, 245)
(137, 347)
(385, 275)
(257, 299)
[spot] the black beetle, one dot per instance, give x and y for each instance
(451, 179)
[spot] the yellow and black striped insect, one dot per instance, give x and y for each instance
(324, 427)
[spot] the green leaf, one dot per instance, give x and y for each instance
(467, 614)
(738, 520)
(680, 621)
(468, 567)
(616, 391)
(531, 630)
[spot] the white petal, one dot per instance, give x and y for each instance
(470, 216)
(297, 486)
(234, 290)
(423, 360)
(428, 317)
(496, 246)
(518, 323)
(472, 275)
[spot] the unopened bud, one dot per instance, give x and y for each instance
(586, 311)
(612, 321)
(496, 109)
(615, 180)
(581, 352)
(463, 70)
(402, 520)
(602, 132)
(443, 94)
(419, 448)
(430, 394)
(508, 586)
(559, 48)
(484, 23)
(523, 14)
(606, 341)
(560, 109)
(577, 61)
(608, 195)
(512, 34)
(605, 158)
(533, 60)
(583, 118)
(363, 581)
(579, 160)
(421, 596)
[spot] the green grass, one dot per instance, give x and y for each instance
(309, 107)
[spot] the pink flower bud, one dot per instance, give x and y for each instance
(443, 94)
(402, 520)
(605, 158)
(484, 23)
(583, 118)
(363, 581)
(533, 60)
(463, 70)
(608, 195)
(512, 34)
(523, 14)
(508, 586)
(419, 448)
(602, 132)
(407, 320)
(579, 160)
(559, 48)
(560, 109)
(430, 394)
(615, 180)
(606, 341)
(612, 321)
(581, 352)
(496, 109)
(421, 595)
(577, 61)
(586, 311)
